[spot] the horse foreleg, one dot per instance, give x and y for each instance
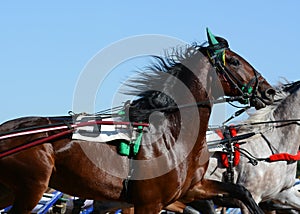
(209, 189)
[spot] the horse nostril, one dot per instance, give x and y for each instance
(269, 93)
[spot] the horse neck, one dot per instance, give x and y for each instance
(289, 134)
(186, 125)
(201, 77)
(194, 119)
(275, 137)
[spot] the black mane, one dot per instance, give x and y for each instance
(291, 87)
(151, 84)
(152, 76)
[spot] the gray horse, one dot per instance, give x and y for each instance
(268, 180)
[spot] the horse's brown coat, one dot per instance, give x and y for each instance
(81, 168)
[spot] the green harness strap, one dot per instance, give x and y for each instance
(124, 149)
(137, 142)
(132, 147)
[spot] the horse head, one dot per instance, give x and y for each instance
(237, 77)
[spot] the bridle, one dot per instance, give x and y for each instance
(248, 92)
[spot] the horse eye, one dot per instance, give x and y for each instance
(234, 61)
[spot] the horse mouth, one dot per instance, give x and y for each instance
(257, 103)
(263, 99)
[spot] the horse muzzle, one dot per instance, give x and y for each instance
(262, 99)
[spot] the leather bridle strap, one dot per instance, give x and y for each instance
(247, 91)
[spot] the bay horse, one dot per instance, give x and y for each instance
(176, 99)
(268, 181)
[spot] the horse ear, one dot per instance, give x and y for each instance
(211, 38)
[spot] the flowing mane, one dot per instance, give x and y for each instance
(153, 86)
(172, 63)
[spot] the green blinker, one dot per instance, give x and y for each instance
(213, 41)
(211, 38)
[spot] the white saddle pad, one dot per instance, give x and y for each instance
(101, 133)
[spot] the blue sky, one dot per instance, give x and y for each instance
(45, 45)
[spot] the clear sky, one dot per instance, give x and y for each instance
(46, 45)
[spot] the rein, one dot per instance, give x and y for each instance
(68, 128)
(201, 104)
(289, 121)
(34, 143)
(63, 125)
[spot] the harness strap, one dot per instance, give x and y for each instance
(132, 148)
(284, 157)
(268, 142)
(272, 158)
